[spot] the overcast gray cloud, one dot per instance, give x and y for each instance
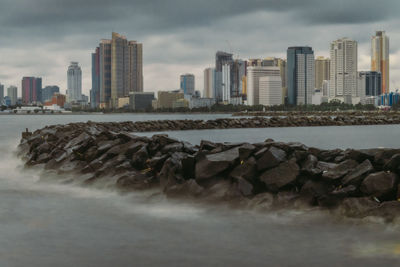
(41, 37)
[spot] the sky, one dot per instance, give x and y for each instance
(41, 37)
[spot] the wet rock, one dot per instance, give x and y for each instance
(271, 158)
(134, 181)
(244, 187)
(213, 164)
(389, 210)
(140, 157)
(379, 184)
(358, 207)
(222, 191)
(356, 175)
(245, 151)
(171, 148)
(247, 170)
(188, 189)
(264, 201)
(342, 192)
(280, 176)
(310, 166)
(340, 170)
(207, 145)
(393, 164)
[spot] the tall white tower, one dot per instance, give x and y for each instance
(74, 75)
(343, 76)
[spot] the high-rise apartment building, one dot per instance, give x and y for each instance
(300, 75)
(343, 72)
(135, 76)
(253, 82)
(322, 71)
(187, 82)
(209, 83)
(12, 93)
(380, 58)
(31, 90)
(270, 90)
(48, 92)
(74, 85)
(117, 70)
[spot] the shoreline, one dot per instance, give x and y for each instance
(271, 175)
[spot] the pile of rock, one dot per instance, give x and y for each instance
(264, 175)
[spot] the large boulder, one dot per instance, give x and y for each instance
(280, 176)
(271, 158)
(211, 165)
(356, 175)
(310, 166)
(393, 164)
(188, 189)
(246, 170)
(340, 170)
(380, 184)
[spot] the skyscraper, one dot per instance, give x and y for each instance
(135, 78)
(105, 73)
(95, 92)
(209, 83)
(31, 90)
(187, 82)
(300, 75)
(74, 75)
(221, 58)
(12, 93)
(1, 94)
(370, 83)
(253, 82)
(120, 64)
(322, 71)
(380, 58)
(343, 76)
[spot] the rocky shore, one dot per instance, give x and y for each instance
(267, 175)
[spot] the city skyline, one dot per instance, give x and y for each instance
(189, 48)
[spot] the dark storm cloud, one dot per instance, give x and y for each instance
(162, 14)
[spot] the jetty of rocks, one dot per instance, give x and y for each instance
(266, 175)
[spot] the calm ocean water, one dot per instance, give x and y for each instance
(43, 224)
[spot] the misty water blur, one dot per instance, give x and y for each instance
(44, 223)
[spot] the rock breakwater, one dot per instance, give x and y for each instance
(267, 175)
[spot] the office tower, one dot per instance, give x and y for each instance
(105, 72)
(270, 90)
(370, 83)
(238, 71)
(1, 94)
(300, 75)
(95, 91)
(12, 93)
(226, 83)
(74, 75)
(253, 78)
(325, 88)
(380, 58)
(322, 71)
(31, 90)
(221, 58)
(188, 83)
(135, 76)
(209, 83)
(120, 64)
(48, 92)
(343, 72)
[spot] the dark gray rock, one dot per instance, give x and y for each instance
(379, 184)
(389, 210)
(342, 192)
(247, 170)
(140, 157)
(393, 164)
(340, 170)
(271, 158)
(244, 187)
(213, 164)
(356, 175)
(280, 176)
(310, 166)
(264, 201)
(245, 151)
(188, 189)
